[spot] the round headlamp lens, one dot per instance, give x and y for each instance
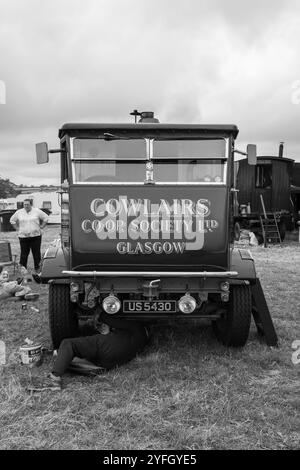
(187, 304)
(111, 304)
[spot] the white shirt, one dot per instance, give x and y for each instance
(29, 222)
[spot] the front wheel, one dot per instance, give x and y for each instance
(62, 317)
(233, 328)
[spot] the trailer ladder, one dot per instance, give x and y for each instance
(269, 226)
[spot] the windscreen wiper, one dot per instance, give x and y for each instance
(109, 136)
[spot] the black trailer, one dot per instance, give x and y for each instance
(295, 191)
(268, 181)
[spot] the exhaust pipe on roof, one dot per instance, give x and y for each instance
(281, 145)
(145, 116)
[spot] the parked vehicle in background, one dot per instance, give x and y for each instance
(271, 180)
(48, 201)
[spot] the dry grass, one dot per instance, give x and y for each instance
(185, 391)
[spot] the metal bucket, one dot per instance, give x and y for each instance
(31, 354)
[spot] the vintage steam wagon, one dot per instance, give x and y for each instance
(147, 229)
(265, 192)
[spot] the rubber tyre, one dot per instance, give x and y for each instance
(233, 328)
(237, 231)
(63, 321)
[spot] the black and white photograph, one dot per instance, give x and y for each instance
(149, 228)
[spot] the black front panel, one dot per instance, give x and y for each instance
(148, 227)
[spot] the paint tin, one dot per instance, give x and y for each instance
(31, 354)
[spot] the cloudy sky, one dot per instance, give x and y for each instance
(190, 61)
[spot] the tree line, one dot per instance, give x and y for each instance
(7, 188)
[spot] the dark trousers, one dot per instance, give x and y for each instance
(84, 347)
(107, 351)
(33, 244)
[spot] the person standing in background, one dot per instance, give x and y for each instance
(29, 223)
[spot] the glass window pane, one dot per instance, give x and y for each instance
(109, 149)
(263, 177)
(193, 171)
(109, 171)
(189, 148)
(47, 205)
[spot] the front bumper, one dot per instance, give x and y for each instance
(202, 274)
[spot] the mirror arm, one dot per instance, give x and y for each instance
(56, 151)
(240, 152)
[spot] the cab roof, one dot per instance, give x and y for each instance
(149, 129)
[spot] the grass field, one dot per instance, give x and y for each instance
(185, 392)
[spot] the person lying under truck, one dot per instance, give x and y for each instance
(118, 343)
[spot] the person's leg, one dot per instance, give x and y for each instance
(35, 246)
(85, 348)
(25, 249)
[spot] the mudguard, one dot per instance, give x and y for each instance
(243, 263)
(54, 262)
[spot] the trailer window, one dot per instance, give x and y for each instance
(47, 205)
(263, 176)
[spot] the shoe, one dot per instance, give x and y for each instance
(37, 278)
(22, 292)
(51, 382)
(31, 296)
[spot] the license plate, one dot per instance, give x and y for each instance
(146, 306)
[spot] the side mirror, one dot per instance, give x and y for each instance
(42, 155)
(251, 154)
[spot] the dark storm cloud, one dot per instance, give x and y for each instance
(190, 61)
